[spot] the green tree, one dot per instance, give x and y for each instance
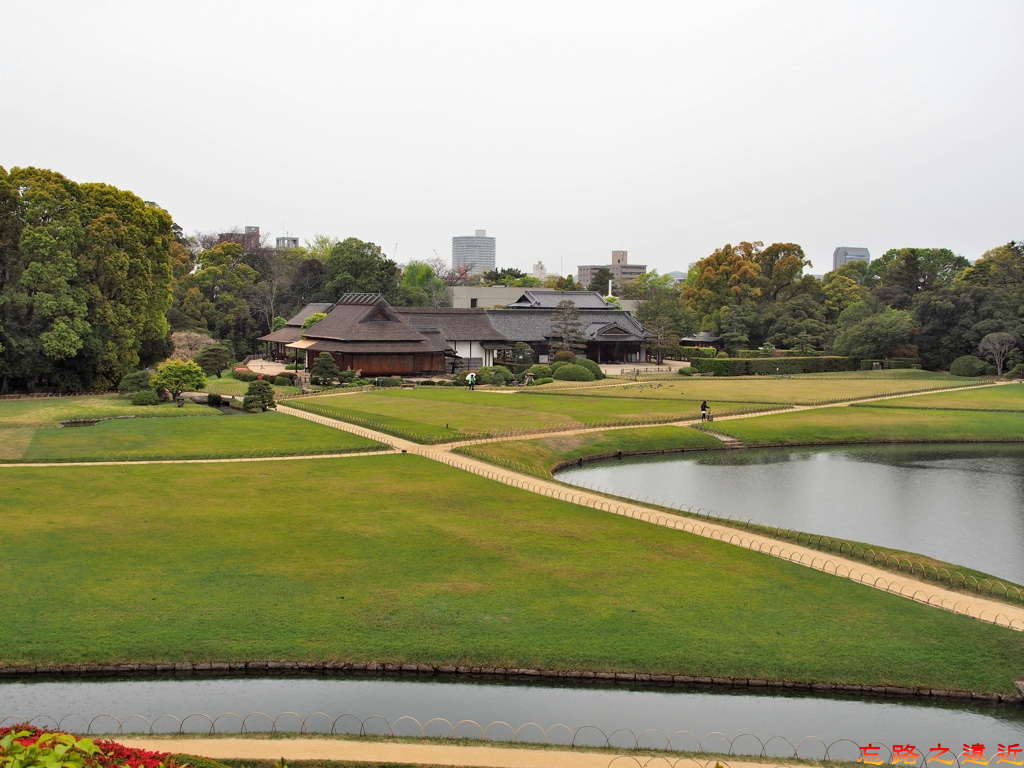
(313, 319)
(877, 336)
(421, 287)
(324, 371)
(259, 395)
(357, 267)
(279, 323)
(522, 356)
(213, 359)
(177, 377)
(661, 338)
(996, 347)
(566, 327)
(917, 269)
(601, 280)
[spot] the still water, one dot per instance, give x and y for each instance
(610, 708)
(961, 504)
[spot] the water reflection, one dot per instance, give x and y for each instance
(608, 708)
(962, 504)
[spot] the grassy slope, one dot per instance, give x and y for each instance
(542, 455)
(231, 435)
(452, 413)
(50, 411)
(1003, 398)
(803, 389)
(229, 386)
(855, 425)
(156, 563)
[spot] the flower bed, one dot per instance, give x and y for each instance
(26, 745)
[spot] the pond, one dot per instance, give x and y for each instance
(963, 504)
(615, 714)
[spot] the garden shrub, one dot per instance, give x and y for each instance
(541, 371)
(991, 370)
(1017, 372)
(246, 376)
(145, 397)
(494, 374)
(564, 356)
(388, 381)
(347, 375)
(214, 400)
(555, 366)
(325, 370)
(444, 383)
(259, 395)
(135, 381)
(968, 365)
(282, 381)
(545, 380)
(722, 354)
(688, 371)
(573, 372)
(695, 353)
(426, 383)
(591, 366)
(292, 375)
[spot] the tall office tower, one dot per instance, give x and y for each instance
(475, 252)
(287, 243)
(843, 255)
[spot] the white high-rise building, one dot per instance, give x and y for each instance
(475, 252)
(539, 271)
(843, 255)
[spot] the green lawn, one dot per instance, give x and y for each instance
(50, 411)
(171, 563)
(803, 389)
(866, 425)
(269, 434)
(540, 456)
(1009, 397)
(229, 386)
(436, 415)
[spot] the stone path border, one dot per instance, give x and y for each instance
(859, 572)
(422, 754)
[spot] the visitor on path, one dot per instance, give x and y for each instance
(471, 380)
(704, 411)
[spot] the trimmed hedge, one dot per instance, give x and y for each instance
(545, 380)
(695, 353)
(494, 375)
(969, 366)
(892, 362)
(591, 366)
(388, 381)
(739, 366)
(564, 356)
(145, 397)
(541, 371)
(573, 372)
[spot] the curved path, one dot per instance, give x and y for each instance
(419, 754)
(906, 586)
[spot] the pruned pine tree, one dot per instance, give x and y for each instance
(566, 327)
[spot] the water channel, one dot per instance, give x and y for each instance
(712, 718)
(963, 504)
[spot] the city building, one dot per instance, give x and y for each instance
(287, 243)
(477, 253)
(622, 271)
(843, 255)
(250, 239)
(539, 271)
(482, 296)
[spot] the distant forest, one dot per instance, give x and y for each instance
(93, 281)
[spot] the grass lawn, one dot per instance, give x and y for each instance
(450, 414)
(802, 389)
(229, 386)
(165, 563)
(50, 411)
(857, 425)
(231, 435)
(1009, 397)
(541, 455)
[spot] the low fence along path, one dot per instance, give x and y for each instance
(862, 573)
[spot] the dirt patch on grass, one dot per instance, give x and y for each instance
(565, 442)
(14, 443)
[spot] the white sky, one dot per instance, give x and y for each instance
(565, 129)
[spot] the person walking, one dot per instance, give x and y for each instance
(471, 380)
(704, 411)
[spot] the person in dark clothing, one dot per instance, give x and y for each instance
(704, 411)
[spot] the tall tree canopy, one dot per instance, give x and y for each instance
(85, 281)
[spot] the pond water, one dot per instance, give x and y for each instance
(963, 504)
(609, 708)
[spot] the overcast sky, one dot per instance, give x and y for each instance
(565, 129)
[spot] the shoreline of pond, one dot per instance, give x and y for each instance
(221, 669)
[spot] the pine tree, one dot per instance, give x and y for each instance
(566, 327)
(324, 370)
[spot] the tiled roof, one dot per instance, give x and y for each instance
(549, 299)
(454, 324)
(359, 298)
(535, 325)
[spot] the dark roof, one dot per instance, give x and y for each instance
(376, 348)
(549, 298)
(356, 319)
(455, 324)
(306, 311)
(286, 335)
(597, 324)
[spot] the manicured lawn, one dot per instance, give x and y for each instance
(803, 389)
(166, 563)
(541, 455)
(450, 414)
(228, 386)
(1009, 397)
(269, 434)
(857, 424)
(50, 411)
